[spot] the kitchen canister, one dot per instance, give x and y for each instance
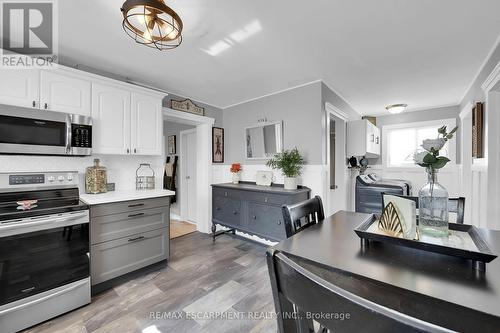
(96, 178)
(145, 177)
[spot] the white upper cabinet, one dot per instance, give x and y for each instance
(146, 125)
(63, 91)
(111, 119)
(363, 139)
(20, 87)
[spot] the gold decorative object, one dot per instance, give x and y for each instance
(187, 106)
(152, 23)
(390, 221)
(96, 179)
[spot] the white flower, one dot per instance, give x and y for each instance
(435, 144)
(418, 157)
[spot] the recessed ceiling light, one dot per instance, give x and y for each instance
(396, 108)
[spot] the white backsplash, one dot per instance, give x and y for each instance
(121, 169)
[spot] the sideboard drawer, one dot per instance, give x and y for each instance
(267, 198)
(227, 210)
(266, 220)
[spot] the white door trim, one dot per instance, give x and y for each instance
(203, 165)
(332, 110)
(182, 178)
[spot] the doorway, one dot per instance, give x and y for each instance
(337, 191)
(188, 162)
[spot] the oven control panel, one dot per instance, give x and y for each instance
(26, 179)
(37, 180)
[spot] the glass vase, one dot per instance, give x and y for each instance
(433, 207)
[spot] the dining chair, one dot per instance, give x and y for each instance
(302, 215)
(298, 291)
(455, 205)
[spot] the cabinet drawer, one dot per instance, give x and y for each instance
(266, 220)
(222, 192)
(267, 198)
(124, 255)
(128, 206)
(227, 210)
(110, 227)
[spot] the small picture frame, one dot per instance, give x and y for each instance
(172, 146)
(217, 145)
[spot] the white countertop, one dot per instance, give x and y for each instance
(117, 196)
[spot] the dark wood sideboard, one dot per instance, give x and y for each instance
(253, 209)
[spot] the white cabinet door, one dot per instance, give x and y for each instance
(111, 120)
(20, 87)
(146, 124)
(65, 92)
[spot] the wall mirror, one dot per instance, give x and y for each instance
(264, 140)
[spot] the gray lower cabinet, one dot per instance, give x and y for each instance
(254, 209)
(127, 236)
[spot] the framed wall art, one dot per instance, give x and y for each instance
(187, 106)
(217, 145)
(171, 145)
(477, 131)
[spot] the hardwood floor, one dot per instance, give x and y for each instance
(180, 228)
(206, 287)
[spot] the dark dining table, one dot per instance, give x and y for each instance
(439, 289)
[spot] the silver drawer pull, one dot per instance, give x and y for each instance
(217, 208)
(135, 215)
(266, 199)
(136, 239)
(279, 222)
(225, 194)
(254, 217)
(235, 212)
(136, 205)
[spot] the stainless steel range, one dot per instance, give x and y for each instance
(44, 248)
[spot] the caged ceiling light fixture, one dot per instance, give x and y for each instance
(152, 23)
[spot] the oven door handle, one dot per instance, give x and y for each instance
(49, 221)
(42, 299)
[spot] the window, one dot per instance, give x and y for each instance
(401, 141)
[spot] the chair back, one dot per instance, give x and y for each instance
(455, 205)
(302, 215)
(297, 289)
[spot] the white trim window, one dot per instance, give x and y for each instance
(402, 140)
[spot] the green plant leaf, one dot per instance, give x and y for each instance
(429, 159)
(442, 130)
(439, 164)
(289, 162)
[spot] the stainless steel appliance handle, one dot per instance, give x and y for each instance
(42, 299)
(47, 222)
(69, 134)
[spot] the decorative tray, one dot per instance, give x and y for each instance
(464, 242)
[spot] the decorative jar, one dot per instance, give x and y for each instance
(433, 207)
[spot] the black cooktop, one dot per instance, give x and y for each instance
(49, 202)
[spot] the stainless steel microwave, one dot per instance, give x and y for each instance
(42, 132)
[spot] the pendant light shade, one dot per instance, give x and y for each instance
(152, 23)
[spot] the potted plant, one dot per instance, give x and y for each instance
(235, 170)
(290, 163)
(433, 197)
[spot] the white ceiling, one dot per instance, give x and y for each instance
(424, 53)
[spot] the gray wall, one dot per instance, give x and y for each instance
(299, 109)
(416, 116)
(328, 95)
(210, 111)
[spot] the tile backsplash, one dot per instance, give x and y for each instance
(121, 169)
